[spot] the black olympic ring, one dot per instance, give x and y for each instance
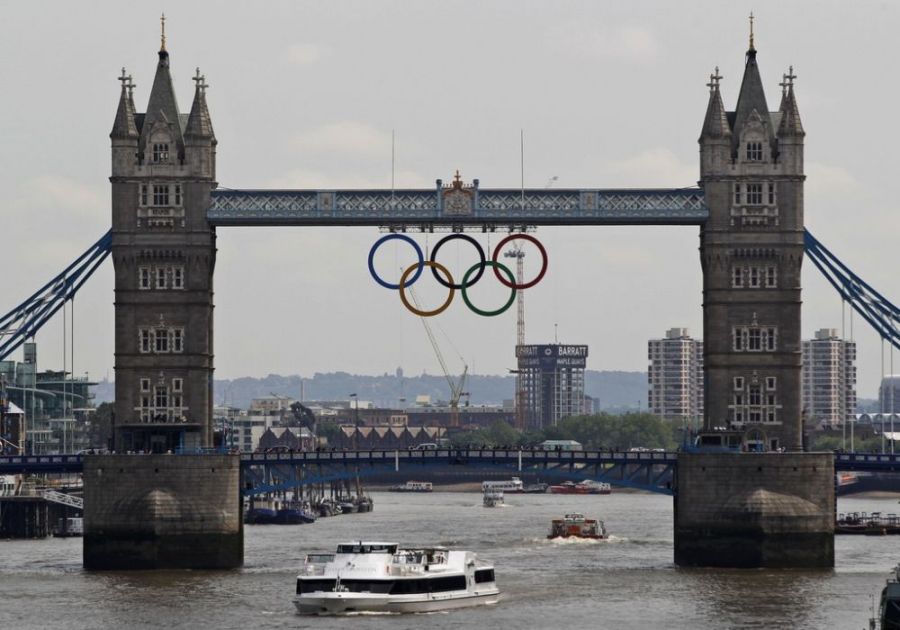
(463, 284)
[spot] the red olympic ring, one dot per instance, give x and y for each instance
(536, 243)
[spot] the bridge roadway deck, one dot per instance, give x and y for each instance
(36, 464)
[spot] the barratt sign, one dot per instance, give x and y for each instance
(549, 357)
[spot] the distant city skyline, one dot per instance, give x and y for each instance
(607, 95)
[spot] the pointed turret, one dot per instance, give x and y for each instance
(124, 125)
(715, 138)
(199, 137)
(715, 125)
(790, 124)
(790, 129)
(199, 124)
(162, 110)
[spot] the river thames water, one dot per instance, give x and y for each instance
(626, 582)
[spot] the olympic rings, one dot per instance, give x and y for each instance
(390, 237)
(434, 265)
(536, 243)
(481, 265)
(412, 273)
(497, 266)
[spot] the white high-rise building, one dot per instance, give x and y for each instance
(889, 394)
(675, 376)
(828, 388)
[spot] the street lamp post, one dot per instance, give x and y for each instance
(355, 418)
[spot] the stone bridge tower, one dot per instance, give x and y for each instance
(751, 250)
(163, 249)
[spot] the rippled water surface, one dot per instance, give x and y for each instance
(626, 582)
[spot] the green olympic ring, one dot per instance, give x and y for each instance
(496, 265)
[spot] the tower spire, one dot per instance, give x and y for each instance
(162, 35)
(199, 124)
(124, 125)
(751, 32)
(715, 124)
(790, 124)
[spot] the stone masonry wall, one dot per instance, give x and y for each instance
(162, 511)
(755, 510)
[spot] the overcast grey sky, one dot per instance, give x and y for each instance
(305, 94)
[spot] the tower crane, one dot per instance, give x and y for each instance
(519, 254)
(456, 385)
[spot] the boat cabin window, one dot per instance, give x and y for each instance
(367, 548)
(319, 558)
(484, 575)
(408, 557)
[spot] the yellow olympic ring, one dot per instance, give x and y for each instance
(440, 309)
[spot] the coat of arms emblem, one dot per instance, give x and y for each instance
(458, 199)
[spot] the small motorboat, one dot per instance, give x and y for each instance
(575, 525)
(492, 498)
(261, 512)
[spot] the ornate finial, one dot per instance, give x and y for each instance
(751, 31)
(130, 85)
(124, 79)
(787, 82)
(200, 80)
(714, 79)
(457, 180)
(162, 38)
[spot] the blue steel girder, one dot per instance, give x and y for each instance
(610, 467)
(327, 476)
(458, 206)
(872, 462)
(876, 309)
(646, 471)
(24, 321)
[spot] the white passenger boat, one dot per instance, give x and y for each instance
(382, 577)
(506, 485)
(413, 486)
(492, 498)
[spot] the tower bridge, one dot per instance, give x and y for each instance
(167, 206)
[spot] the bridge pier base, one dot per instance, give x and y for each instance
(748, 510)
(162, 512)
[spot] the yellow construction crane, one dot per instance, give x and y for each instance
(456, 385)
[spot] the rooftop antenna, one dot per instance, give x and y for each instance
(392, 167)
(522, 165)
(556, 334)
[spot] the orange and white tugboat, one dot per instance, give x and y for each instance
(576, 526)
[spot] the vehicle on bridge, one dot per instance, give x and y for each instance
(383, 577)
(561, 445)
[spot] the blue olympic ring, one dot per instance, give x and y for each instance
(390, 237)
